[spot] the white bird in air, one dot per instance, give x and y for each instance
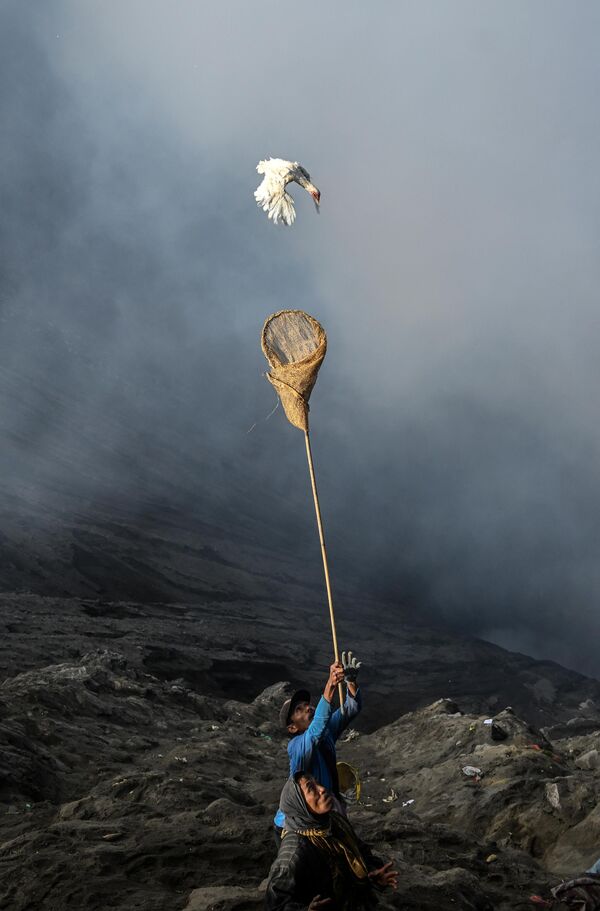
(271, 195)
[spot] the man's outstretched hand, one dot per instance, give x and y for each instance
(351, 666)
(385, 876)
(318, 902)
(336, 676)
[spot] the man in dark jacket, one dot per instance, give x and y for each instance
(321, 863)
(313, 732)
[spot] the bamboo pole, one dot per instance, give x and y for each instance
(313, 482)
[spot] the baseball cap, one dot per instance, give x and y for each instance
(290, 704)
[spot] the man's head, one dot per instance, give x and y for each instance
(297, 713)
(318, 799)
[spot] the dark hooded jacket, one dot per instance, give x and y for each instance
(306, 866)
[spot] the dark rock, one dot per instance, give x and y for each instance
(123, 786)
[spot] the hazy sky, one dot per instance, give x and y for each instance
(454, 265)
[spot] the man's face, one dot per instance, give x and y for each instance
(300, 718)
(318, 798)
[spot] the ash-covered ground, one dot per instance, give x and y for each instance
(140, 760)
(145, 650)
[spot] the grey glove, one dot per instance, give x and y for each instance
(351, 667)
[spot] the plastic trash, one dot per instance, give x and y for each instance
(392, 796)
(472, 771)
(552, 794)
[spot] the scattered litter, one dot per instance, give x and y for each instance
(180, 758)
(392, 796)
(407, 803)
(382, 778)
(112, 836)
(472, 727)
(472, 771)
(458, 743)
(489, 721)
(491, 858)
(538, 900)
(214, 727)
(351, 735)
(28, 806)
(552, 795)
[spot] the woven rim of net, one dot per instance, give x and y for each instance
(294, 343)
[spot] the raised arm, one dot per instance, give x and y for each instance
(353, 704)
(300, 747)
(336, 676)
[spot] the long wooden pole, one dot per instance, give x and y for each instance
(313, 482)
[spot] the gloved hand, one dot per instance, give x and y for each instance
(351, 667)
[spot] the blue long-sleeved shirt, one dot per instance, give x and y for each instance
(314, 750)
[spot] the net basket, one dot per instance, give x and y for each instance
(294, 344)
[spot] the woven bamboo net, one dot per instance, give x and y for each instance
(294, 344)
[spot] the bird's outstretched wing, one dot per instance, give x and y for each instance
(278, 204)
(271, 195)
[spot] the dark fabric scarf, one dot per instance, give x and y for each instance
(333, 835)
(298, 818)
(582, 893)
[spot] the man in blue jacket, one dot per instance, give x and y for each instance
(313, 732)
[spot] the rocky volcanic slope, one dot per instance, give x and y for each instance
(140, 769)
(237, 646)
